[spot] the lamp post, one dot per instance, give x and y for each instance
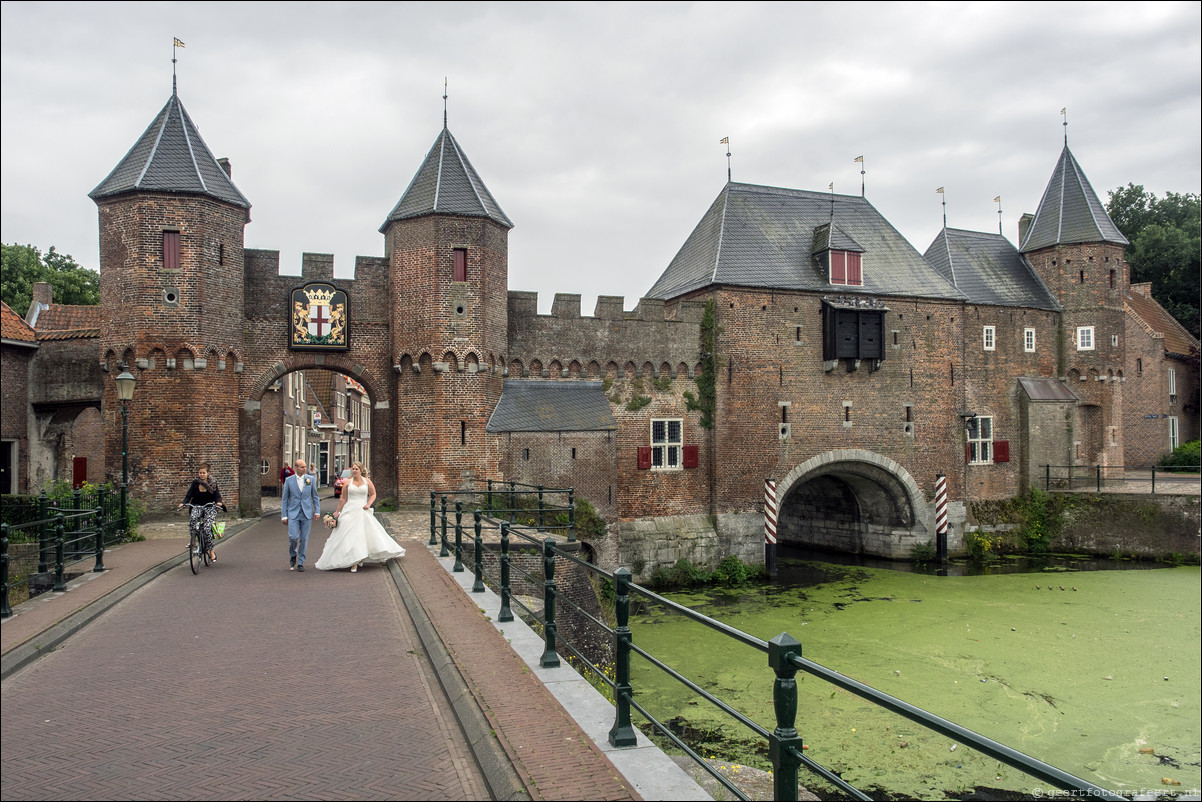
(125, 394)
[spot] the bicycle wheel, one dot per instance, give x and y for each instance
(194, 551)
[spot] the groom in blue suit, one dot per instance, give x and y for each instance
(300, 505)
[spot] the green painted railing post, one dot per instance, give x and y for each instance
(1153, 480)
(60, 577)
(540, 508)
(622, 733)
(433, 517)
(1099, 478)
(5, 610)
(478, 585)
(445, 552)
(488, 497)
(43, 533)
(505, 613)
(99, 567)
(784, 744)
(513, 490)
(550, 657)
(458, 567)
(571, 515)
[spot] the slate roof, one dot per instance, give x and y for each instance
(14, 329)
(1047, 390)
(1177, 339)
(988, 269)
(532, 405)
(446, 183)
(757, 236)
(1070, 211)
(170, 157)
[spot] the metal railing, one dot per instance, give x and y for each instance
(66, 532)
(1121, 478)
(785, 747)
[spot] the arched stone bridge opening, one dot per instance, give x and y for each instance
(854, 501)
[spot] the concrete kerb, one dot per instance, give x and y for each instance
(52, 638)
(500, 775)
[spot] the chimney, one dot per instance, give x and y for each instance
(42, 296)
(1024, 223)
(225, 165)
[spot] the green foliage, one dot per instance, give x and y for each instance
(1164, 236)
(922, 553)
(589, 524)
(1185, 458)
(663, 383)
(731, 572)
(982, 546)
(606, 384)
(637, 403)
(705, 401)
(24, 265)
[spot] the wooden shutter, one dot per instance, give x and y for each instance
(690, 456)
(644, 458)
(171, 250)
(838, 267)
(855, 276)
(967, 452)
(460, 264)
(1001, 450)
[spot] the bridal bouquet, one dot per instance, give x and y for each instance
(329, 520)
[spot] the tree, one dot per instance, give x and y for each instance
(1165, 245)
(22, 266)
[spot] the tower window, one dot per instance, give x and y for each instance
(846, 268)
(221, 253)
(460, 266)
(171, 250)
(988, 334)
(1085, 338)
(1029, 340)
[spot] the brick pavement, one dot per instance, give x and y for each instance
(320, 688)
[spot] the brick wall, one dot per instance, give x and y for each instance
(14, 408)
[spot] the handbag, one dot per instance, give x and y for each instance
(219, 529)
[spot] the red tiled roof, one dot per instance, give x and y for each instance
(68, 317)
(1176, 339)
(14, 327)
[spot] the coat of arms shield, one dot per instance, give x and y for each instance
(320, 318)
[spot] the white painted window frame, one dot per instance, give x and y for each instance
(1085, 338)
(667, 446)
(1029, 341)
(989, 338)
(979, 431)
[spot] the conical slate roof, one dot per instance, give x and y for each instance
(171, 157)
(446, 183)
(758, 236)
(1070, 211)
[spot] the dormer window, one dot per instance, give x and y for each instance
(846, 269)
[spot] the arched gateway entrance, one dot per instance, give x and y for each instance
(854, 501)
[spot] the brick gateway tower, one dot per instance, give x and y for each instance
(203, 322)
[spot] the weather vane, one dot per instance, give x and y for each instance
(860, 159)
(1064, 114)
(175, 43)
(444, 102)
(726, 141)
(940, 192)
(998, 201)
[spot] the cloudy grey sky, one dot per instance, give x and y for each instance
(597, 125)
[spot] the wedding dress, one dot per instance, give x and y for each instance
(359, 537)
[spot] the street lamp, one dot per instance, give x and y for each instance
(125, 394)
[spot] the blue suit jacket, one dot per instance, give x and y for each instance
(302, 502)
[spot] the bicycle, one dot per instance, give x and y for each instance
(200, 539)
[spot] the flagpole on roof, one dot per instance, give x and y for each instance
(175, 43)
(860, 159)
(444, 102)
(998, 201)
(1064, 114)
(944, 200)
(726, 141)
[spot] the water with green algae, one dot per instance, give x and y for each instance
(1096, 673)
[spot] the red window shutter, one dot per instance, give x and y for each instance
(967, 453)
(1001, 450)
(171, 250)
(838, 267)
(644, 458)
(854, 276)
(460, 264)
(690, 456)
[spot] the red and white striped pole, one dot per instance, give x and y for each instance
(941, 518)
(770, 526)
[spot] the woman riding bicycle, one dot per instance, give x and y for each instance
(204, 496)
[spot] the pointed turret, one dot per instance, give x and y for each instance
(1070, 211)
(446, 183)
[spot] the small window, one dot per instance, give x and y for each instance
(171, 250)
(666, 441)
(526, 454)
(980, 440)
(1085, 338)
(1112, 279)
(460, 268)
(846, 268)
(1174, 435)
(221, 253)
(987, 338)
(1172, 383)
(1114, 341)
(1029, 340)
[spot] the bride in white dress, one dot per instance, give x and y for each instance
(358, 538)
